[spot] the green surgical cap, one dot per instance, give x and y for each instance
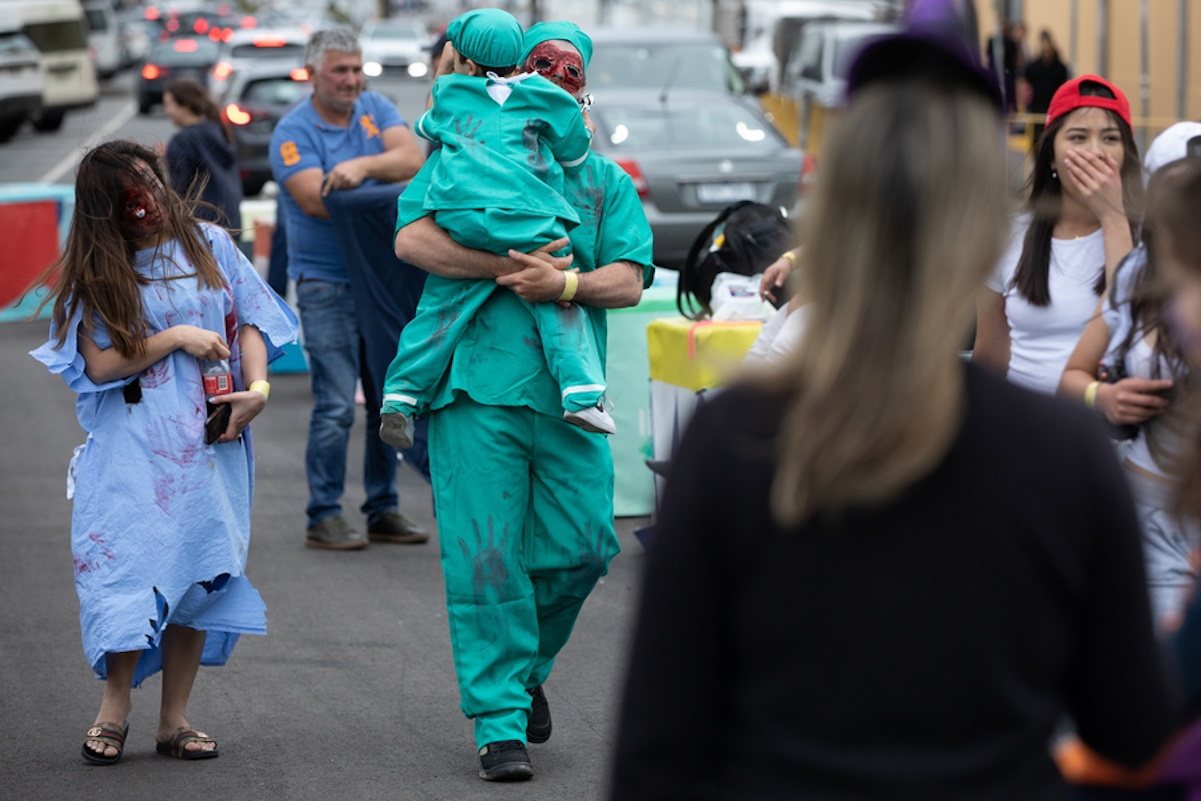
(553, 31)
(488, 36)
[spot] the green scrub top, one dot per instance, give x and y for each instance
(508, 155)
(499, 361)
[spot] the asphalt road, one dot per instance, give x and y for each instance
(51, 157)
(351, 695)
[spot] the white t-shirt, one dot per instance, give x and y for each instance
(1043, 337)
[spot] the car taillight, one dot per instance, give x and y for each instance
(249, 22)
(236, 114)
(201, 26)
(808, 171)
(222, 70)
(299, 74)
(150, 72)
(631, 168)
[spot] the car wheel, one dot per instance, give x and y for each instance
(253, 187)
(49, 121)
(144, 106)
(9, 127)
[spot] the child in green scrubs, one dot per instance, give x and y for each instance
(507, 140)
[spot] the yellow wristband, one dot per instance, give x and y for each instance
(571, 284)
(788, 254)
(1090, 395)
(261, 387)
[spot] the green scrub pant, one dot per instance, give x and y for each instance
(447, 306)
(524, 503)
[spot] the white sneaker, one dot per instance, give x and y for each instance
(594, 419)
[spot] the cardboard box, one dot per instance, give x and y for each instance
(696, 355)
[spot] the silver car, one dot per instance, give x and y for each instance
(395, 45)
(661, 57)
(691, 154)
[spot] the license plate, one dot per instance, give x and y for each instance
(725, 193)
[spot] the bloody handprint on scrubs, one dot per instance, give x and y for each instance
(560, 65)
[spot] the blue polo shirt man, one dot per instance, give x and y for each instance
(340, 139)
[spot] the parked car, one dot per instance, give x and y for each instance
(773, 28)
(661, 58)
(395, 45)
(256, 98)
(182, 57)
(816, 74)
(22, 80)
(247, 46)
(103, 38)
(135, 34)
(58, 29)
(692, 153)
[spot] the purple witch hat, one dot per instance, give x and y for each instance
(937, 42)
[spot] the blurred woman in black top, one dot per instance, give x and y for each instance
(202, 157)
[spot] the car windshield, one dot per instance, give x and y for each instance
(14, 43)
(97, 20)
(710, 125)
(405, 32)
(653, 66)
(184, 52)
(275, 91)
(53, 37)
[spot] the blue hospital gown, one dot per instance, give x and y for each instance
(161, 522)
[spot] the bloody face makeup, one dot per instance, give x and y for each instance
(140, 215)
(559, 64)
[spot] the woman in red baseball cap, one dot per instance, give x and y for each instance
(1085, 199)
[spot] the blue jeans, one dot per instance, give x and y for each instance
(335, 351)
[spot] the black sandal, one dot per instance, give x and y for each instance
(112, 735)
(175, 747)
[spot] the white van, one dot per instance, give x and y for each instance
(103, 36)
(22, 81)
(60, 31)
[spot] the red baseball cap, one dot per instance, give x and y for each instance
(1068, 98)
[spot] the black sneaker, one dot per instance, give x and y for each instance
(505, 761)
(537, 729)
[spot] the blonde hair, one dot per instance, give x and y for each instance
(908, 216)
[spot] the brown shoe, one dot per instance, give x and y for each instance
(395, 527)
(334, 534)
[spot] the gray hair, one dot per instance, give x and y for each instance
(342, 40)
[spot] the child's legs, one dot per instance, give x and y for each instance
(429, 339)
(572, 355)
(501, 230)
(567, 338)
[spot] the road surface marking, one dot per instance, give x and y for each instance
(69, 162)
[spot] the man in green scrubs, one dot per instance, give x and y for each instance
(524, 500)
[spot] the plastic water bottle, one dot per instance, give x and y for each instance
(218, 378)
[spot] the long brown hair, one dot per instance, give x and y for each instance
(95, 274)
(196, 99)
(1173, 197)
(907, 218)
(1045, 202)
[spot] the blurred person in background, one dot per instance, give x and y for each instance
(1143, 391)
(1085, 199)
(1044, 75)
(1169, 281)
(880, 573)
(341, 138)
(202, 154)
